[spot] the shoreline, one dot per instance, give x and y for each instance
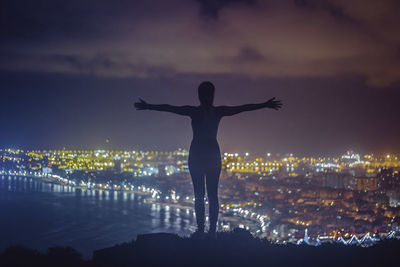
(229, 219)
(224, 216)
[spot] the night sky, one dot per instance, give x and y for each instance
(71, 70)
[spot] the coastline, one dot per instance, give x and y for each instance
(225, 217)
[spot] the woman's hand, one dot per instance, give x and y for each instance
(274, 104)
(142, 105)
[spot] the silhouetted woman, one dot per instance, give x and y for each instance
(204, 153)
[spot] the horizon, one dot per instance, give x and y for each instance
(246, 153)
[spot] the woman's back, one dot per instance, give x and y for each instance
(205, 121)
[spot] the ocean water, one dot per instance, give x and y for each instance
(39, 215)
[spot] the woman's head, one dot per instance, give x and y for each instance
(206, 93)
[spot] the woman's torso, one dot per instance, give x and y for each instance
(205, 122)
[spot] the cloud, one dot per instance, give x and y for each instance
(211, 8)
(277, 38)
(99, 65)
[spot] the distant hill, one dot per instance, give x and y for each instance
(236, 248)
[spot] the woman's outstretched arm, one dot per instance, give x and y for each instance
(182, 110)
(229, 111)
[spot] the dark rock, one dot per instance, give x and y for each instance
(157, 241)
(236, 248)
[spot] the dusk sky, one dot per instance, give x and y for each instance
(70, 72)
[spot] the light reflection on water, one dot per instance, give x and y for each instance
(38, 215)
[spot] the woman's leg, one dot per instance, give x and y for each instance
(212, 179)
(199, 193)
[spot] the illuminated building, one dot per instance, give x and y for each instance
(388, 179)
(366, 184)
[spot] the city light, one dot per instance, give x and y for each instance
(284, 199)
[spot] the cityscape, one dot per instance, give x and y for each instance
(199, 133)
(350, 198)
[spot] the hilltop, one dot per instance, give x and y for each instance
(236, 248)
